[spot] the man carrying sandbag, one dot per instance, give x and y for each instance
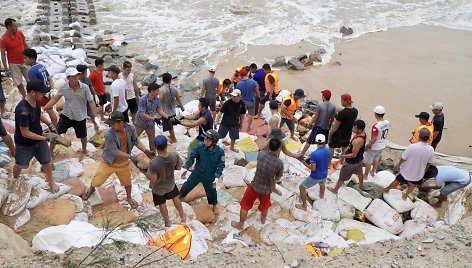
(210, 161)
(120, 139)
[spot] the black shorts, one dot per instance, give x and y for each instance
(265, 98)
(315, 131)
(80, 127)
(102, 99)
(3, 132)
(125, 115)
(132, 105)
(402, 180)
(161, 199)
(166, 125)
(290, 124)
(337, 142)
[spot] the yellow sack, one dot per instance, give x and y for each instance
(247, 145)
(179, 240)
(293, 146)
(251, 165)
(355, 235)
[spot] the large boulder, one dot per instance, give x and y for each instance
(188, 85)
(346, 30)
(12, 246)
(296, 64)
(279, 61)
(149, 80)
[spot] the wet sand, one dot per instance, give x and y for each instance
(404, 69)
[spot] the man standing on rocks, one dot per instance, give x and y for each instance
(319, 165)
(84, 79)
(249, 94)
(353, 157)
(269, 170)
(132, 89)
(76, 95)
(417, 158)
(322, 119)
(438, 123)
(423, 117)
(290, 106)
(259, 76)
(12, 45)
(376, 144)
(29, 139)
(341, 130)
(210, 89)
(272, 86)
(96, 77)
(210, 161)
(120, 139)
(162, 181)
(233, 112)
(168, 96)
(39, 72)
(118, 92)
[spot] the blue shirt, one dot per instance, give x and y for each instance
(259, 77)
(320, 157)
(209, 164)
(248, 90)
(27, 116)
(448, 174)
(39, 72)
(149, 107)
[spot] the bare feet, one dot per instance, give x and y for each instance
(234, 150)
(167, 222)
(88, 193)
(301, 206)
(133, 203)
(237, 225)
(334, 191)
(263, 218)
(53, 188)
(183, 218)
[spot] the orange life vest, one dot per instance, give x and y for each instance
(276, 83)
(416, 136)
(292, 108)
(178, 240)
(222, 87)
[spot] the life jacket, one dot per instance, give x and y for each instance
(416, 136)
(238, 77)
(222, 88)
(293, 107)
(277, 82)
(179, 240)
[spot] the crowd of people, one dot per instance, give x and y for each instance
(224, 105)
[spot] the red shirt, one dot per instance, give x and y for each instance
(97, 82)
(14, 47)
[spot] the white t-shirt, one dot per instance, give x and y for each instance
(118, 89)
(380, 130)
(130, 94)
(416, 157)
(451, 174)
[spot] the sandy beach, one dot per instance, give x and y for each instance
(404, 69)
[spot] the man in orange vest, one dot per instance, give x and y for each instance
(423, 117)
(289, 107)
(272, 86)
(236, 77)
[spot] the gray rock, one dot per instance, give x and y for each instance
(279, 61)
(386, 165)
(141, 60)
(98, 39)
(320, 51)
(346, 30)
(131, 55)
(108, 58)
(198, 62)
(295, 64)
(107, 32)
(44, 37)
(77, 34)
(103, 49)
(150, 66)
(302, 57)
(188, 85)
(149, 80)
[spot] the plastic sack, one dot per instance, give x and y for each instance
(413, 227)
(327, 207)
(60, 172)
(354, 198)
(395, 200)
(19, 195)
(383, 178)
(275, 198)
(273, 232)
(191, 107)
(372, 234)
(234, 176)
(424, 211)
(199, 236)
(73, 165)
(22, 219)
(384, 217)
(309, 215)
(247, 145)
(346, 210)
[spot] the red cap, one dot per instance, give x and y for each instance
(347, 98)
(243, 72)
(326, 93)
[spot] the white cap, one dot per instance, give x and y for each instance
(436, 105)
(236, 92)
(379, 110)
(320, 138)
(212, 69)
(71, 72)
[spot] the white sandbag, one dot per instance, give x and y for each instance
(372, 234)
(309, 215)
(424, 211)
(250, 175)
(323, 233)
(82, 216)
(275, 198)
(346, 210)
(289, 202)
(38, 196)
(3, 186)
(79, 203)
(191, 107)
(22, 219)
(63, 189)
(413, 227)
(77, 146)
(383, 178)
(384, 217)
(354, 198)
(327, 207)
(3, 195)
(199, 236)
(231, 156)
(283, 93)
(74, 166)
(395, 200)
(266, 114)
(234, 176)
(272, 233)
(12, 100)
(17, 198)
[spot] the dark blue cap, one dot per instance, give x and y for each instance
(160, 141)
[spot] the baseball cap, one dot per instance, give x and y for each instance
(243, 72)
(160, 141)
(71, 72)
(115, 117)
(347, 98)
(424, 134)
(437, 105)
(236, 92)
(379, 110)
(299, 92)
(273, 105)
(320, 138)
(37, 86)
(423, 115)
(326, 93)
(113, 68)
(212, 69)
